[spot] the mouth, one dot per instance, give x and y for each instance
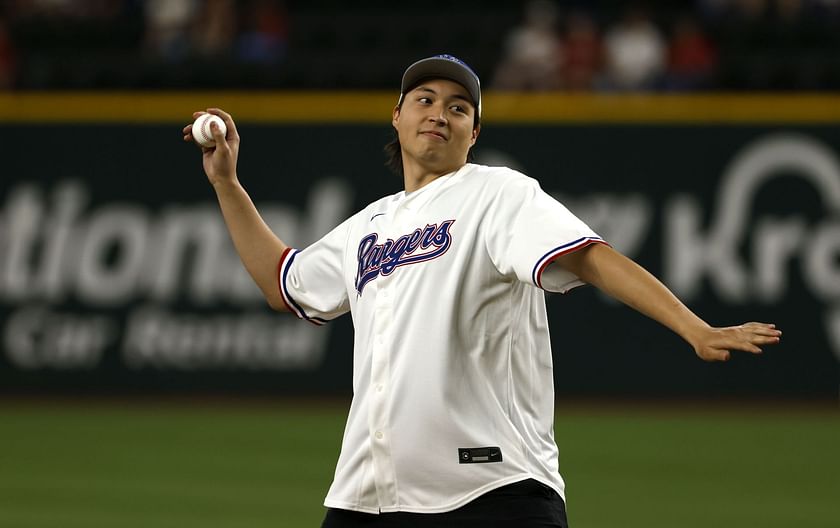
(434, 134)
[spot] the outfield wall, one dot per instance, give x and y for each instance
(116, 273)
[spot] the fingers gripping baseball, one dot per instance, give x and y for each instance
(220, 159)
(717, 343)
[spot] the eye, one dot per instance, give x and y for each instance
(425, 100)
(460, 109)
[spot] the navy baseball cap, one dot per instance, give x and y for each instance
(442, 67)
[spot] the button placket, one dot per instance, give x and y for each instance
(378, 423)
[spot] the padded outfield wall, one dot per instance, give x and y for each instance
(117, 275)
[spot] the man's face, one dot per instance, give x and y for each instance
(435, 125)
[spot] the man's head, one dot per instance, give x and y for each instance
(437, 117)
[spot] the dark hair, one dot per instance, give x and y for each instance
(393, 154)
(393, 151)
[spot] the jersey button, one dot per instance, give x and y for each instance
(379, 435)
(379, 388)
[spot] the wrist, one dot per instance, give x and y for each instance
(693, 331)
(225, 184)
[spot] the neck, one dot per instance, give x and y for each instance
(416, 177)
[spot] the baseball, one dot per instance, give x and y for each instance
(201, 129)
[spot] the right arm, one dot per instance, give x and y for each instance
(258, 247)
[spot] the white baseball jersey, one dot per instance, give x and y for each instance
(453, 390)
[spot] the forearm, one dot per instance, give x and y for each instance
(258, 247)
(623, 279)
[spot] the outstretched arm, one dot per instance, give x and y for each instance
(258, 247)
(620, 277)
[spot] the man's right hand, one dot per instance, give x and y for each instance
(219, 161)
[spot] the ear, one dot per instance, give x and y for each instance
(395, 117)
(475, 133)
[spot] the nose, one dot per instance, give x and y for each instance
(438, 116)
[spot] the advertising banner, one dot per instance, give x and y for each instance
(117, 273)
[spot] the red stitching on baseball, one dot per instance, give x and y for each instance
(207, 136)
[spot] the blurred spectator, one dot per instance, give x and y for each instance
(532, 52)
(167, 27)
(692, 58)
(263, 38)
(582, 52)
(634, 53)
(215, 28)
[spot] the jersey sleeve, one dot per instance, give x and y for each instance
(312, 280)
(528, 230)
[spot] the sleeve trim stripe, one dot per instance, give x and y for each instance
(551, 256)
(283, 269)
(280, 279)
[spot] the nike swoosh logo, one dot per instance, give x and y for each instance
(374, 216)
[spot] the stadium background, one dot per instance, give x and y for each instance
(143, 382)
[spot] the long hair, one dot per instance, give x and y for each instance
(393, 152)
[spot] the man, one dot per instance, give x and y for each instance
(451, 422)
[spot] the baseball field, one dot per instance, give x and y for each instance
(219, 464)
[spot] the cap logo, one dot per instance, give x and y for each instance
(456, 60)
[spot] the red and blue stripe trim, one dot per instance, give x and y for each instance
(283, 266)
(551, 256)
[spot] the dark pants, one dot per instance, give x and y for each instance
(526, 504)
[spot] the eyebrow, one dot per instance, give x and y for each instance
(454, 96)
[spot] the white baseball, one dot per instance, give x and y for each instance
(201, 129)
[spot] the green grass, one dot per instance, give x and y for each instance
(187, 465)
(701, 469)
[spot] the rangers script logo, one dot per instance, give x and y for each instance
(376, 259)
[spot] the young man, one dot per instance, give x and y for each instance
(451, 422)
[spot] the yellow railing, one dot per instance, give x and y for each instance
(375, 107)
